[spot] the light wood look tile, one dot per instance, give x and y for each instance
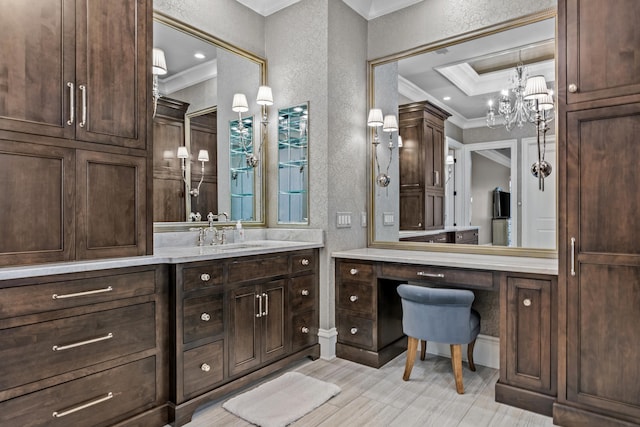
(379, 397)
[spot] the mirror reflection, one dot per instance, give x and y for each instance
(195, 80)
(242, 172)
(293, 171)
(473, 159)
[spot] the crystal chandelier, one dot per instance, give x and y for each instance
(513, 108)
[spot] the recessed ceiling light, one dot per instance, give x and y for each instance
(199, 55)
(446, 98)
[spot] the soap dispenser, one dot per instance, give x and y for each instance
(239, 232)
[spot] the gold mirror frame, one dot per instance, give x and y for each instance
(446, 247)
(262, 62)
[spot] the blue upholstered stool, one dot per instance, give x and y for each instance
(439, 315)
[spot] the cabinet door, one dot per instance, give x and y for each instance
(438, 157)
(37, 47)
(245, 316)
(275, 331)
(204, 137)
(434, 210)
(111, 205)
(168, 186)
(412, 210)
(602, 49)
(111, 73)
(411, 155)
(37, 204)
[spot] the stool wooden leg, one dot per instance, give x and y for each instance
(412, 348)
(423, 349)
(470, 346)
(456, 363)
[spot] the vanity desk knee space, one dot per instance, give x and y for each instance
(369, 312)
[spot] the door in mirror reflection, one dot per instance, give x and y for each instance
(242, 173)
(293, 171)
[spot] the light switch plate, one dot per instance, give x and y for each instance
(363, 219)
(388, 218)
(343, 219)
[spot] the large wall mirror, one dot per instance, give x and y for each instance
(199, 165)
(469, 163)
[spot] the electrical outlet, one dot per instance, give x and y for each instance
(343, 219)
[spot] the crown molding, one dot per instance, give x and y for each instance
(194, 75)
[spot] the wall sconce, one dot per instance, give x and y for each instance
(389, 124)
(159, 68)
(536, 90)
(449, 161)
(183, 155)
(240, 105)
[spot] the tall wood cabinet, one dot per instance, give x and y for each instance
(73, 130)
(599, 236)
(421, 166)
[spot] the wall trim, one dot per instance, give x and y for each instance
(328, 338)
(485, 353)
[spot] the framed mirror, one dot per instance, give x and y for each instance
(293, 162)
(194, 110)
(458, 166)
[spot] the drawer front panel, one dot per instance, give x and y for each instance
(476, 279)
(42, 350)
(203, 317)
(201, 277)
(303, 293)
(303, 261)
(356, 271)
(358, 297)
(305, 330)
(104, 398)
(22, 300)
(255, 269)
(355, 330)
(467, 236)
(203, 367)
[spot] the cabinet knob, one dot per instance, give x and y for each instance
(304, 261)
(205, 317)
(353, 298)
(304, 292)
(354, 331)
(205, 368)
(304, 330)
(526, 302)
(353, 271)
(205, 277)
(573, 88)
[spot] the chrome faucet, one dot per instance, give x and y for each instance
(219, 237)
(202, 234)
(226, 216)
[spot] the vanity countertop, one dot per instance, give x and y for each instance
(461, 260)
(162, 255)
(415, 233)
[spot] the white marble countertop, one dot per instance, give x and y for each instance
(448, 259)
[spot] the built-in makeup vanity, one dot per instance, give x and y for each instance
(369, 312)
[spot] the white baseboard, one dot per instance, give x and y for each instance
(328, 338)
(485, 353)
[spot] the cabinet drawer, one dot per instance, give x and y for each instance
(33, 352)
(202, 276)
(355, 330)
(70, 292)
(358, 297)
(303, 261)
(303, 293)
(476, 279)
(203, 367)
(255, 269)
(203, 317)
(356, 271)
(467, 236)
(305, 330)
(105, 398)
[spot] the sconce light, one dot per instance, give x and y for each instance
(389, 124)
(183, 155)
(240, 105)
(159, 68)
(536, 90)
(449, 161)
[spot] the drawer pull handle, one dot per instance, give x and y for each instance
(205, 277)
(266, 304)
(354, 331)
(205, 368)
(259, 297)
(304, 262)
(83, 91)
(353, 271)
(304, 330)
(72, 108)
(82, 294)
(81, 343)
(353, 298)
(526, 302)
(205, 317)
(423, 274)
(61, 414)
(304, 292)
(573, 256)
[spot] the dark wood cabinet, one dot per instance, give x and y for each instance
(421, 166)
(203, 130)
(528, 337)
(599, 379)
(64, 57)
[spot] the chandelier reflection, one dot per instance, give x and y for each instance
(512, 106)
